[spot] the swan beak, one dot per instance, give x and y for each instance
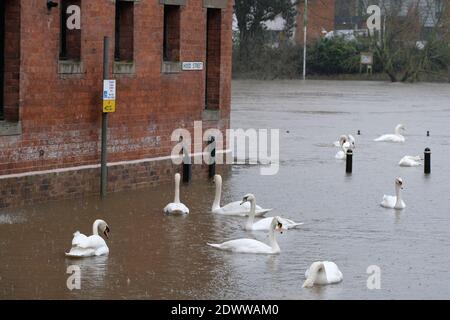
(243, 201)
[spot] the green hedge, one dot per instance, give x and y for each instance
(325, 57)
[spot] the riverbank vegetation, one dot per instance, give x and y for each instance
(398, 55)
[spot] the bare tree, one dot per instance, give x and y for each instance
(251, 15)
(413, 39)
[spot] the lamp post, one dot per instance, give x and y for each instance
(305, 24)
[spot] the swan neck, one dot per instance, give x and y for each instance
(177, 189)
(397, 130)
(398, 194)
(273, 240)
(95, 227)
(314, 271)
(251, 214)
(216, 204)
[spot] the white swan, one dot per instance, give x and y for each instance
(322, 273)
(263, 224)
(397, 137)
(176, 207)
(234, 208)
(252, 245)
(410, 161)
(351, 139)
(83, 246)
(395, 202)
(345, 145)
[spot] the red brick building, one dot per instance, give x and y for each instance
(321, 16)
(51, 90)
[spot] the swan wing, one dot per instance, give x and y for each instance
(104, 250)
(80, 240)
(236, 209)
(409, 161)
(176, 208)
(262, 225)
(340, 155)
(390, 138)
(83, 246)
(289, 224)
(388, 201)
(244, 246)
(332, 272)
(265, 224)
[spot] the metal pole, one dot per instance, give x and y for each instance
(187, 166)
(212, 159)
(349, 161)
(305, 23)
(104, 167)
(427, 167)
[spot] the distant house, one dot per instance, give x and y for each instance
(274, 30)
(329, 15)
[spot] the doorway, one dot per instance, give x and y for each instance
(213, 59)
(2, 58)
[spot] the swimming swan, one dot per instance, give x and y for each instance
(234, 208)
(94, 245)
(395, 202)
(322, 273)
(351, 139)
(263, 224)
(176, 207)
(345, 145)
(410, 161)
(252, 245)
(397, 137)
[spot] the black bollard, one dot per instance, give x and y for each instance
(359, 132)
(349, 162)
(187, 165)
(427, 161)
(428, 133)
(212, 160)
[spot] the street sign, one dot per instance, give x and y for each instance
(109, 106)
(192, 66)
(109, 96)
(109, 89)
(367, 58)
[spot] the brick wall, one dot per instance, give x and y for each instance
(320, 17)
(32, 189)
(61, 113)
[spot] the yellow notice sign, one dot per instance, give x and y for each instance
(109, 106)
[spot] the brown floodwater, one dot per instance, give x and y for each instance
(153, 256)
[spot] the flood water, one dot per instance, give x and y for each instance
(153, 256)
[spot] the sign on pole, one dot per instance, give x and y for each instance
(109, 96)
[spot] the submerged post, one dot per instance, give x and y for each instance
(427, 161)
(349, 161)
(359, 132)
(187, 165)
(428, 133)
(212, 159)
(104, 167)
